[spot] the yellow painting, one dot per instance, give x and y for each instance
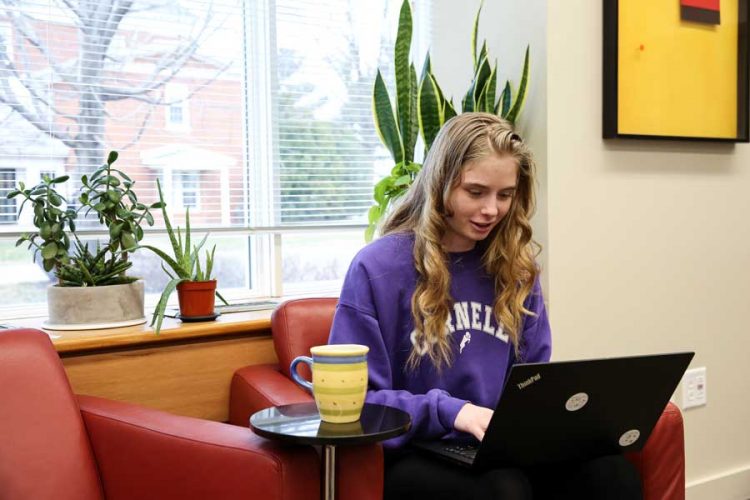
(678, 77)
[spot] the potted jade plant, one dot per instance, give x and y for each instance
(92, 289)
(196, 289)
(420, 109)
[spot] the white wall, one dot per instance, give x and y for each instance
(649, 250)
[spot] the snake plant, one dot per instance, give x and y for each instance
(421, 109)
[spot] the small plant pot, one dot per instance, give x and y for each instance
(196, 298)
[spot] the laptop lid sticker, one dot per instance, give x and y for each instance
(577, 401)
(629, 437)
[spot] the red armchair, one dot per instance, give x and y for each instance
(300, 324)
(54, 445)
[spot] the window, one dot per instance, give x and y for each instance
(187, 189)
(177, 107)
(7, 184)
(255, 114)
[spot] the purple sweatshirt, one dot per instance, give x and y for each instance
(375, 310)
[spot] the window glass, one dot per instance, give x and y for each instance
(317, 260)
(255, 114)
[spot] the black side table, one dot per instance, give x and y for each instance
(300, 423)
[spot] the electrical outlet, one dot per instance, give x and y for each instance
(694, 388)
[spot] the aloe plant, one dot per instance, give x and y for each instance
(421, 109)
(93, 268)
(185, 265)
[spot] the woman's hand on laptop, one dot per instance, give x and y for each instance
(473, 419)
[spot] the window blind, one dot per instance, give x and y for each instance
(255, 114)
(259, 109)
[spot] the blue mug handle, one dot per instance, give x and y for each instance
(295, 376)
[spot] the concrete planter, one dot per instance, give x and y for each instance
(89, 308)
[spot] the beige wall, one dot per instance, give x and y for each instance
(649, 250)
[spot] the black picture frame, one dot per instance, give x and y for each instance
(610, 79)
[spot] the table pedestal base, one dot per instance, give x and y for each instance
(329, 472)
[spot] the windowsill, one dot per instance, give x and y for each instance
(71, 342)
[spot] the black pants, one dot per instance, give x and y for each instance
(416, 476)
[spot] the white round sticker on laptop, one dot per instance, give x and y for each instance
(629, 437)
(577, 401)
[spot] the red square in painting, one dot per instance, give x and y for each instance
(700, 11)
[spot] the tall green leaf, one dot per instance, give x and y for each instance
(448, 110)
(167, 223)
(403, 78)
(521, 96)
(385, 121)
(489, 94)
(187, 230)
(426, 68)
(474, 33)
(482, 55)
(467, 104)
(430, 111)
(504, 102)
(480, 82)
(176, 267)
(161, 306)
(410, 140)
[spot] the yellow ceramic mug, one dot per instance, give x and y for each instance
(339, 380)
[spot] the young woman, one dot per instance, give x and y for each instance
(447, 300)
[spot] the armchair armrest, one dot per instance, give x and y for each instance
(148, 454)
(261, 386)
(661, 462)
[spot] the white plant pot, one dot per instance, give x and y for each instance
(93, 307)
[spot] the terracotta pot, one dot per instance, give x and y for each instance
(196, 298)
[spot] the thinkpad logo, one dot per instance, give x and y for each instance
(529, 381)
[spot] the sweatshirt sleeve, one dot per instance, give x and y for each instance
(433, 413)
(536, 339)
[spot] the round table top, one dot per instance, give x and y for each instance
(300, 423)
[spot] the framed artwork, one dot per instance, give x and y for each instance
(676, 69)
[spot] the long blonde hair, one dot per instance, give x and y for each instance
(509, 250)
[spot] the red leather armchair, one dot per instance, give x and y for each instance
(54, 445)
(300, 324)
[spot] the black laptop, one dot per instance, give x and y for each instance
(571, 410)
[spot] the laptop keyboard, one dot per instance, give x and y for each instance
(466, 451)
